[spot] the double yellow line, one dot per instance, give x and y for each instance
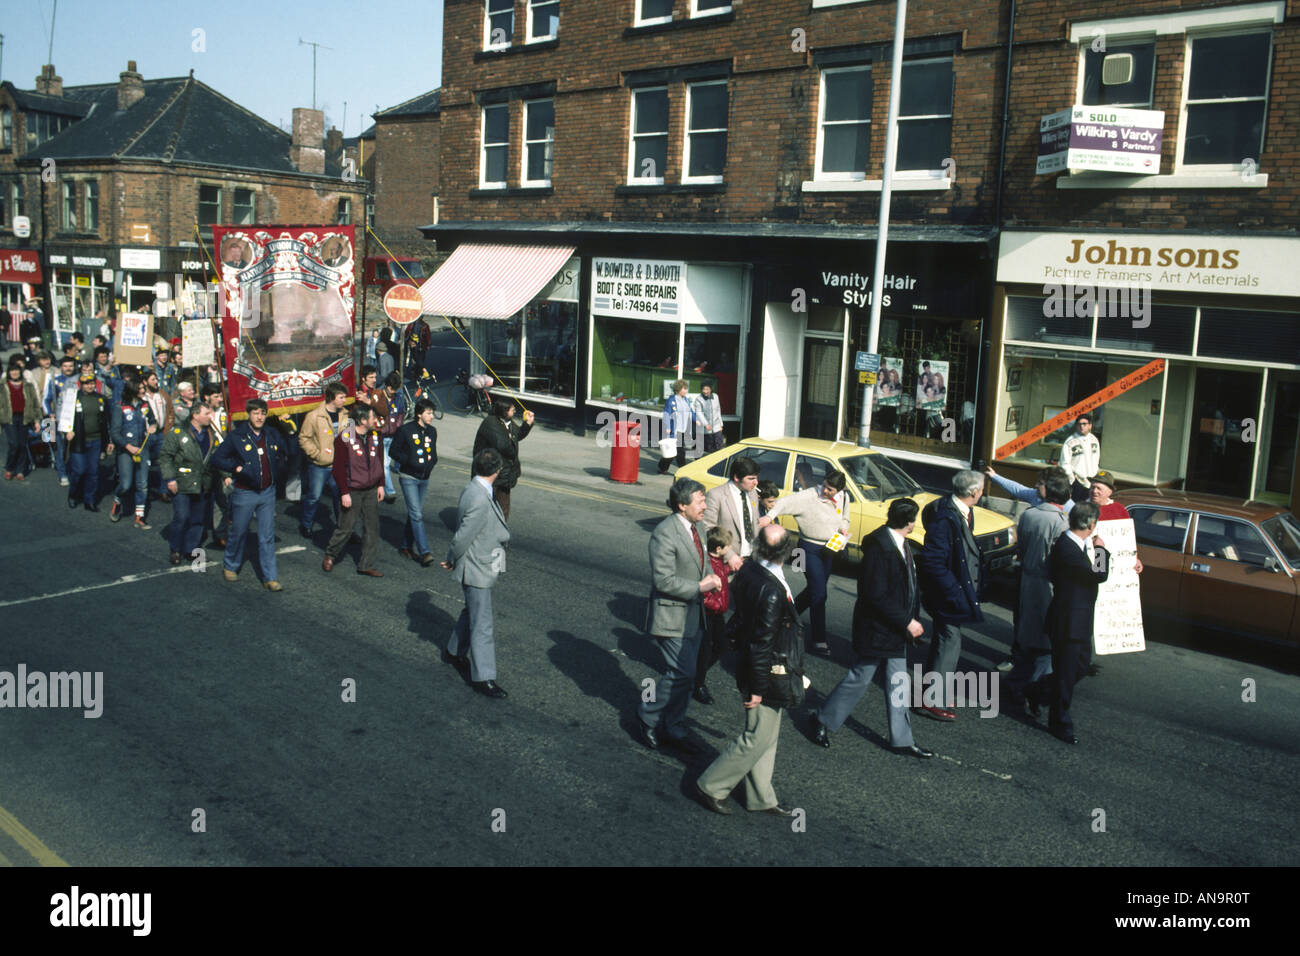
(28, 840)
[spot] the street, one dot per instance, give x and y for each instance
(225, 699)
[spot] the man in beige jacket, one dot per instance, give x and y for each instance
(319, 429)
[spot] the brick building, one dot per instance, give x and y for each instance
(122, 180)
(693, 185)
(406, 162)
(1192, 255)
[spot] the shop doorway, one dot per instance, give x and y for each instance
(1278, 440)
(820, 396)
(1218, 460)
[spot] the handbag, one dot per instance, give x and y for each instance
(668, 447)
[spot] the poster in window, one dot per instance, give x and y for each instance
(932, 385)
(889, 381)
(288, 317)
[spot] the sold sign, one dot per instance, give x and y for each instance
(1131, 380)
(403, 304)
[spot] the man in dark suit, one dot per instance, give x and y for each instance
(500, 431)
(681, 574)
(885, 620)
(951, 576)
(1079, 563)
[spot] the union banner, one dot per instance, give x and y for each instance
(287, 317)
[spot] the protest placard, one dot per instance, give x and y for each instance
(1117, 620)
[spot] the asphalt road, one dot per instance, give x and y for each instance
(225, 698)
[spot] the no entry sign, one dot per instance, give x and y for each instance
(402, 304)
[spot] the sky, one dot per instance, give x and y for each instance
(381, 53)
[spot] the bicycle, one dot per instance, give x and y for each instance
(469, 398)
(424, 389)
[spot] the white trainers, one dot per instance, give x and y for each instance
(63, 482)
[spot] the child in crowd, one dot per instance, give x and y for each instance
(768, 492)
(714, 640)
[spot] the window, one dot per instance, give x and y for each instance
(772, 465)
(706, 132)
(1284, 531)
(1160, 527)
(344, 216)
(844, 124)
(16, 198)
(1230, 540)
(245, 207)
(6, 128)
(69, 205)
(709, 355)
(496, 140)
(708, 8)
(809, 472)
(1136, 93)
(543, 19)
(209, 205)
(878, 477)
(631, 360)
(925, 115)
(499, 24)
(92, 206)
(653, 11)
(649, 149)
(1227, 93)
(539, 142)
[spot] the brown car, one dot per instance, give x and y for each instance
(1218, 562)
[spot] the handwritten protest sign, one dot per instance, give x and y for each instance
(197, 345)
(1117, 621)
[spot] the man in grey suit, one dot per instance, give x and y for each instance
(681, 574)
(1036, 534)
(734, 506)
(476, 557)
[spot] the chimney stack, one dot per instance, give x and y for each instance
(48, 83)
(333, 143)
(306, 149)
(130, 87)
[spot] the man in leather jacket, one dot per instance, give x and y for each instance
(767, 616)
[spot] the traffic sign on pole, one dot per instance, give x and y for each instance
(402, 304)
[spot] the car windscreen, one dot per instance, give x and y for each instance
(878, 477)
(1284, 531)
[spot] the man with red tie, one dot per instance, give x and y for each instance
(681, 574)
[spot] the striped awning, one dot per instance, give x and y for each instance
(491, 280)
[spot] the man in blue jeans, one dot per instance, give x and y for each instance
(131, 425)
(415, 451)
(253, 456)
(320, 427)
(57, 388)
(396, 407)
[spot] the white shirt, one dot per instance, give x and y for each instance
(1085, 545)
(486, 484)
(900, 541)
(962, 507)
(743, 502)
(780, 575)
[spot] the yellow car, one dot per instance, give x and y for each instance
(871, 479)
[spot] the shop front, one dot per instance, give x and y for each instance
(817, 307)
(1081, 312)
(20, 277)
(81, 284)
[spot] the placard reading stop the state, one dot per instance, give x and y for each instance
(402, 304)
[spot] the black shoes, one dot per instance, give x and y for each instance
(91, 506)
(647, 736)
(305, 532)
(489, 688)
(1094, 670)
(460, 660)
(712, 803)
(175, 557)
(1066, 737)
(819, 650)
(914, 751)
(72, 502)
(821, 736)
(702, 695)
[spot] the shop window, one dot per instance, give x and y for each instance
(69, 205)
(1227, 96)
(706, 132)
(245, 207)
(1159, 328)
(539, 142)
(498, 24)
(631, 361)
(708, 8)
(543, 19)
(1160, 527)
(1135, 92)
(1250, 335)
(1230, 540)
(92, 206)
(710, 356)
(925, 115)
(653, 11)
(648, 151)
(1279, 435)
(550, 348)
(496, 143)
(209, 205)
(1033, 319)
(845, 123)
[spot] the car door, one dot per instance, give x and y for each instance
(1227, 581)
(1162, 543)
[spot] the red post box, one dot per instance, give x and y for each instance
(625, 453)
